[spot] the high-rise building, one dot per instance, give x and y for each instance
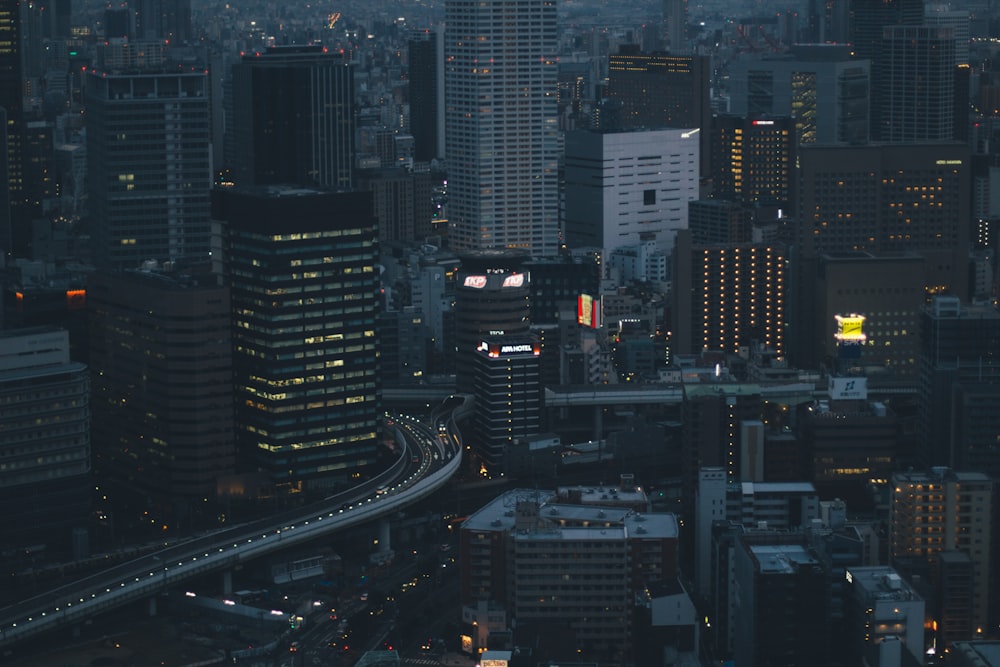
(574, 560)
(918, 70)
(168, 20)
(605, 207)
(727, 296)
(293, 118)
(305, 297)
(959, 381)
(162, 378)
(149, 169)
(884, 290)
(883, 199)
(501, 125)
(675, 18)
(753, 158)
(868, 20)
(820, 85)
(658, 90)
(15, 230)
(426, 77)
(45, 418)
(491, 299)
(943, 511)
(402, 199)
(958, 21)
(718, 221)
(508, 391)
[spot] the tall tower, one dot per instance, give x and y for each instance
(305, 297)
(501, 133)
(675, 17)
(162, 378)
(918, 66)
(294, 118)
(426, 51)
(149, 167)
(868, 21)
(14, 233)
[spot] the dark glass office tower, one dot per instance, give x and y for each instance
(868, 21)
(294, 118)
(148, 151)
(15, 233)
(304, 284)
(426, 94)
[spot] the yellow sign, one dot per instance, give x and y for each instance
(850, 327)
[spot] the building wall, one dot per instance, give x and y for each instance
(501, 132)
(305, 294)
(148, 166)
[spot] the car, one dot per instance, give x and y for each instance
(364, 597)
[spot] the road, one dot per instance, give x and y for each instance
(426, 463)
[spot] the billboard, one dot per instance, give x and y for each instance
(850, 327)
(588, 311)
(495, 350)
(848, 388)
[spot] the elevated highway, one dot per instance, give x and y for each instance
(438, 456)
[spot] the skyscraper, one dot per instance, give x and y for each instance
(918, 66)
(294, 118)
(162, 373)
(868, 20)
(14, 232)
(426, 75)
(657, 90)
(959, 385)
(753, 158)
(675, 17)
(305, 297)
(148, 166)
(501, 133)
(880, 199)
(727, 296)
(821, 85)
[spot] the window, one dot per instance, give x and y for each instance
(648, 197)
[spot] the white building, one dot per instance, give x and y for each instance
(501, 125)
(625, 188)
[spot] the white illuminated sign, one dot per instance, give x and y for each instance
(511, 349)
(515, 280)
(478, 282)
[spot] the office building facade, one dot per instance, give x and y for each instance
(607, 209)
(918, 66)
(15, 231)
(293, 118)
(45, 479)
(658, 90)
(821, 85)
(728, 296)
(959, 385)
(161, 372)
(945, 511)
(426, 76)
(501, 125)
(492, 298)
(883, 199)
(148, 166)
(305, 299)
(753, 159)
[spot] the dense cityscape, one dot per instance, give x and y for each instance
(500, 333)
